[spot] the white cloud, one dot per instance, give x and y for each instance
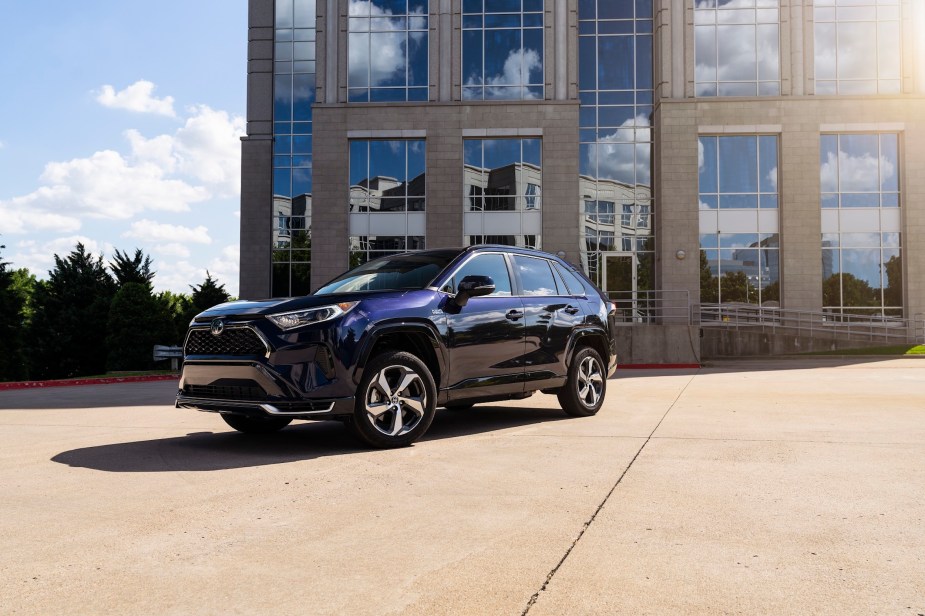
(389, 55)
(16, 217)
(150, 231)
(857, 173)
(137, 97)
(177, 276)
(201, 160)
(624, 155)
(173, 249)
(39, 256)
(516, 70)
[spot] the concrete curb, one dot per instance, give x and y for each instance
(98, 381)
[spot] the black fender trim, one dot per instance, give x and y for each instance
(402, 327)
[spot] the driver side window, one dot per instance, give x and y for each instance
(492, 265)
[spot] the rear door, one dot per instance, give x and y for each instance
(551, 313)
(485, 338)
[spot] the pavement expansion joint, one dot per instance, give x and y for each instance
(587, 524)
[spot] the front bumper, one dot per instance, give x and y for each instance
(251, 388)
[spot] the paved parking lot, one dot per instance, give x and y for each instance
(793, 487)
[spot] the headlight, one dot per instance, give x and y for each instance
(310, 316)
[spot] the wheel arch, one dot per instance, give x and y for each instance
(419, 339)
(593, 338)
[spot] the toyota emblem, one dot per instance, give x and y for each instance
(218, 326)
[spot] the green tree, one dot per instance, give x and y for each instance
(205, 295)
(132, 269)
(12, 359)
(852, 292)
(71, 310)
(893, 294)
(137, 321)
(709, 286)
(24, 283)
(177, 306)
(735, 287)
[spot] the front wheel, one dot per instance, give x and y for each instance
(256, 425)
(395, 402)
(583, 394)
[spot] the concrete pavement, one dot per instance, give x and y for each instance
(753, 487)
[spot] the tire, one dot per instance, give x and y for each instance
(256, 425)
(459, 407)
(395, 401)
(583, 394)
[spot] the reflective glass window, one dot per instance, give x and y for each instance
(858, 45)
(861, 248)
(503, 176)
(535, 276)
(738, 178)
(387, 50)
(737, 48)
(386, 177)
(502, 50)
(293, 96)
(491, 265)
(615, 119)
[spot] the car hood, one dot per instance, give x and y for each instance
(249, 309)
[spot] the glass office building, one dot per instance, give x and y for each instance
(758, 152)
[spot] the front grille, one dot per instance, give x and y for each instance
(226, 392)
(232, 341)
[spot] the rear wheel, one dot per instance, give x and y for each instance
(256, 425)
(583, 394)
(395, 402)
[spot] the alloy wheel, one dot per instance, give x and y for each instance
(590, 382)
(395, 400)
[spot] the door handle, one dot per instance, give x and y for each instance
(571, 310)
(514, 315)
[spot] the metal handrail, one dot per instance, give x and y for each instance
(870, 327)
(653, 307)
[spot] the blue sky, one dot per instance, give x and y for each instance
(121, 125)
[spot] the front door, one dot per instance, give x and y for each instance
(620, 283)
(485, 338)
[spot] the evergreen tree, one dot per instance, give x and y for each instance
(176, 306)
(132, 269)
(204, 296)
(12, 360)
(71, 310)
(137, 321)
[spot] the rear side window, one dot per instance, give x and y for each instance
(575, 287)
(535, 276)
(492, 265)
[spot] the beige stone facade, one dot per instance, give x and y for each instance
(797, 116)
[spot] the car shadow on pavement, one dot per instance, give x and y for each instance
(213, 451)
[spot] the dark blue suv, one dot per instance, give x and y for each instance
(385, 344)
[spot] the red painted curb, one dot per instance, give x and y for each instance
(659, 367)
(100, 381)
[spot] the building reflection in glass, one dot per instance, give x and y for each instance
(615, 118)
(503, 191)
(293, 95)
(387, 197)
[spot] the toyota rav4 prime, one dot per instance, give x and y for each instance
(385, 344)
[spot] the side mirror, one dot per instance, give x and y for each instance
(473, 286)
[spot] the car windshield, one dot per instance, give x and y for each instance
(402, 272)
